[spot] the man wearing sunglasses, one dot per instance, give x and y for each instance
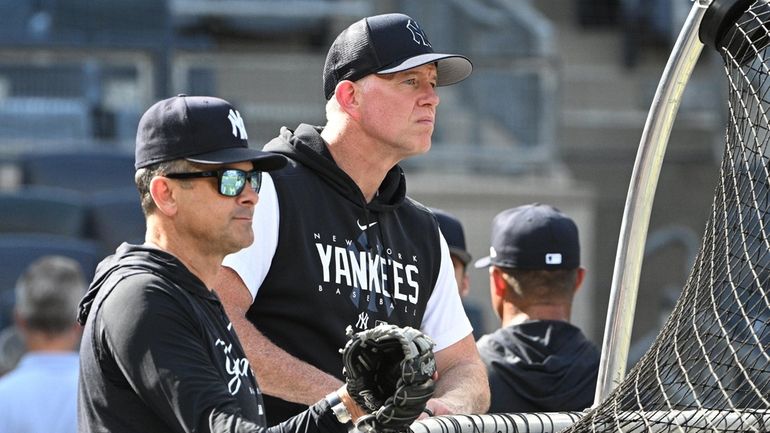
(158, 351)
(338, 241)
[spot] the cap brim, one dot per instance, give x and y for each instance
(463, 255)
(483, 262)
(451, 68)
(263, 161)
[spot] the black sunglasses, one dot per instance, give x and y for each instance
(231, 181)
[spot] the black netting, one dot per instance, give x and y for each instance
(709, 369)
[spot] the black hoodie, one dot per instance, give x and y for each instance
(539, 366)
(340, 261)
(159, 354)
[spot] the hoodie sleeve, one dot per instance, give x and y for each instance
(317, 418)
(253, 262)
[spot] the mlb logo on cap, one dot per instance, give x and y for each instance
(553, 259)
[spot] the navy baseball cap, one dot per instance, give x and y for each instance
(453, 232)
(200, 129)
(533, 236)
(384, 44)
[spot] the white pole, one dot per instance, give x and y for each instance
(641, 192)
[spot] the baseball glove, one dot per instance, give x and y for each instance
(388, 371)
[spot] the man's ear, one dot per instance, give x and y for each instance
(579, 278)
(162, 192)
(346, 94)
(499, 281)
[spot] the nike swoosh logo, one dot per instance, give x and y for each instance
(363, 227)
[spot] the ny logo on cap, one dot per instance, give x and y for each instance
(417, 34)
(239, 129)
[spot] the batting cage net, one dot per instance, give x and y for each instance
(709, 369)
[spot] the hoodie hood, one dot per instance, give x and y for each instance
(130, 259)
(550, 365)
(306, 146)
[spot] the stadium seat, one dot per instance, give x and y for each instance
(15, 18)
(87, 172)
(33, 85)
(17, 251)
(65, 119)
(115, 217)
(136, 23)
(42, 210)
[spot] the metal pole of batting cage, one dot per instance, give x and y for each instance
(641, 192)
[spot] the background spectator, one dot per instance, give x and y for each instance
(40, 394)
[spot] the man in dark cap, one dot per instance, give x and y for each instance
(158, 352)
(339, 243)
(537, 361)
(453, 232)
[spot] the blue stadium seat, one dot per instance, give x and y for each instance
(36, 117)
(59, 81)
(15, 19)
(121, 23)
(18, 251)
(87, 172)
(42, 210)
(115, 217)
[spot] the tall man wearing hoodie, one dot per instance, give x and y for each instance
(338, 241)
(537, 361)
(159, 353)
